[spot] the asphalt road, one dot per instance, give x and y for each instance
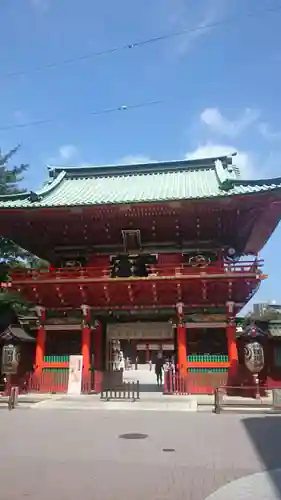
(61, 455)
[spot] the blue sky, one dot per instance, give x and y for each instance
(219, 88)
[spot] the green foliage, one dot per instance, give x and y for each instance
(11, 255)
(10, 177)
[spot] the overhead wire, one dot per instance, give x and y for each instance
(47, 121)
(140, 43)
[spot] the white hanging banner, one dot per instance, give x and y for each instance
(75, 374)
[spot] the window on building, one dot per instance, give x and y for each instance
(127, 266)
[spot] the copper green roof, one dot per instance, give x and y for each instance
(275, 329)
(150, 182)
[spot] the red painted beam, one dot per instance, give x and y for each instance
(264, 227)
(55, 365)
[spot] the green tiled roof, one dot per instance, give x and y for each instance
(274, 327)
(165, 181)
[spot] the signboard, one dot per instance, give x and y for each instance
(141, 347)
(168, 347)
(140, 330)
(75, 375)
(10, 359)
(154, 347)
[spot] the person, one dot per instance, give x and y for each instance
(159, 369)
(127, 363)
(121, 362)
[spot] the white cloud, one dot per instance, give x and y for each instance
(268, 133)
(219, 124)
(134, 159)
(197, 22)
(68, 152)
(243, 160)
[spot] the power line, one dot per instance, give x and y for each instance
(141, 43)
(48, 121)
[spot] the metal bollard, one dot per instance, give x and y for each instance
(217, 408)
(133, 391)
(13, 398)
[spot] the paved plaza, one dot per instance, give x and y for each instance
(78, 454)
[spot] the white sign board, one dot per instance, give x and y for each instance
(75, 375)
(140, 330)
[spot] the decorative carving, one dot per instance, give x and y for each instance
(41, 312)
(84, 309)
(85, 323)
(200, 258)
(230, 308)
(180, 312)
(73, 263)
(199, 261)
(179, 307)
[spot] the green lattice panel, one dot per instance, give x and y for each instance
(55, 370)
(56, 359)
(207, 358)
(207, 370)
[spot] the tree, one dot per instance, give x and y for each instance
(11, 254)
(10, 179)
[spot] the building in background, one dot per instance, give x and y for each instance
(146, 257)
(266, 308)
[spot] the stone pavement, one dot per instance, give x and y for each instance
(70, 455)
(149, 401)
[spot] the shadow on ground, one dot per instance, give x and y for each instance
(150, 388)
(265, 434)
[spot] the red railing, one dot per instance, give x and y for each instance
(207, 383)
(193, 383)
(57, 382)
(48, 382)
(159, 271)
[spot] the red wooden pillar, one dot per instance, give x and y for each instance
(98, 347)
(231, 344)
(181, 340)
(232, 351)
(40, 340)
(86, 338)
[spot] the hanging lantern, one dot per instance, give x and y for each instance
(254, 356)
(10, 359)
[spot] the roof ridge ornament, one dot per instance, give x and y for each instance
(34, 197)
(226, 172)
(220, 171)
